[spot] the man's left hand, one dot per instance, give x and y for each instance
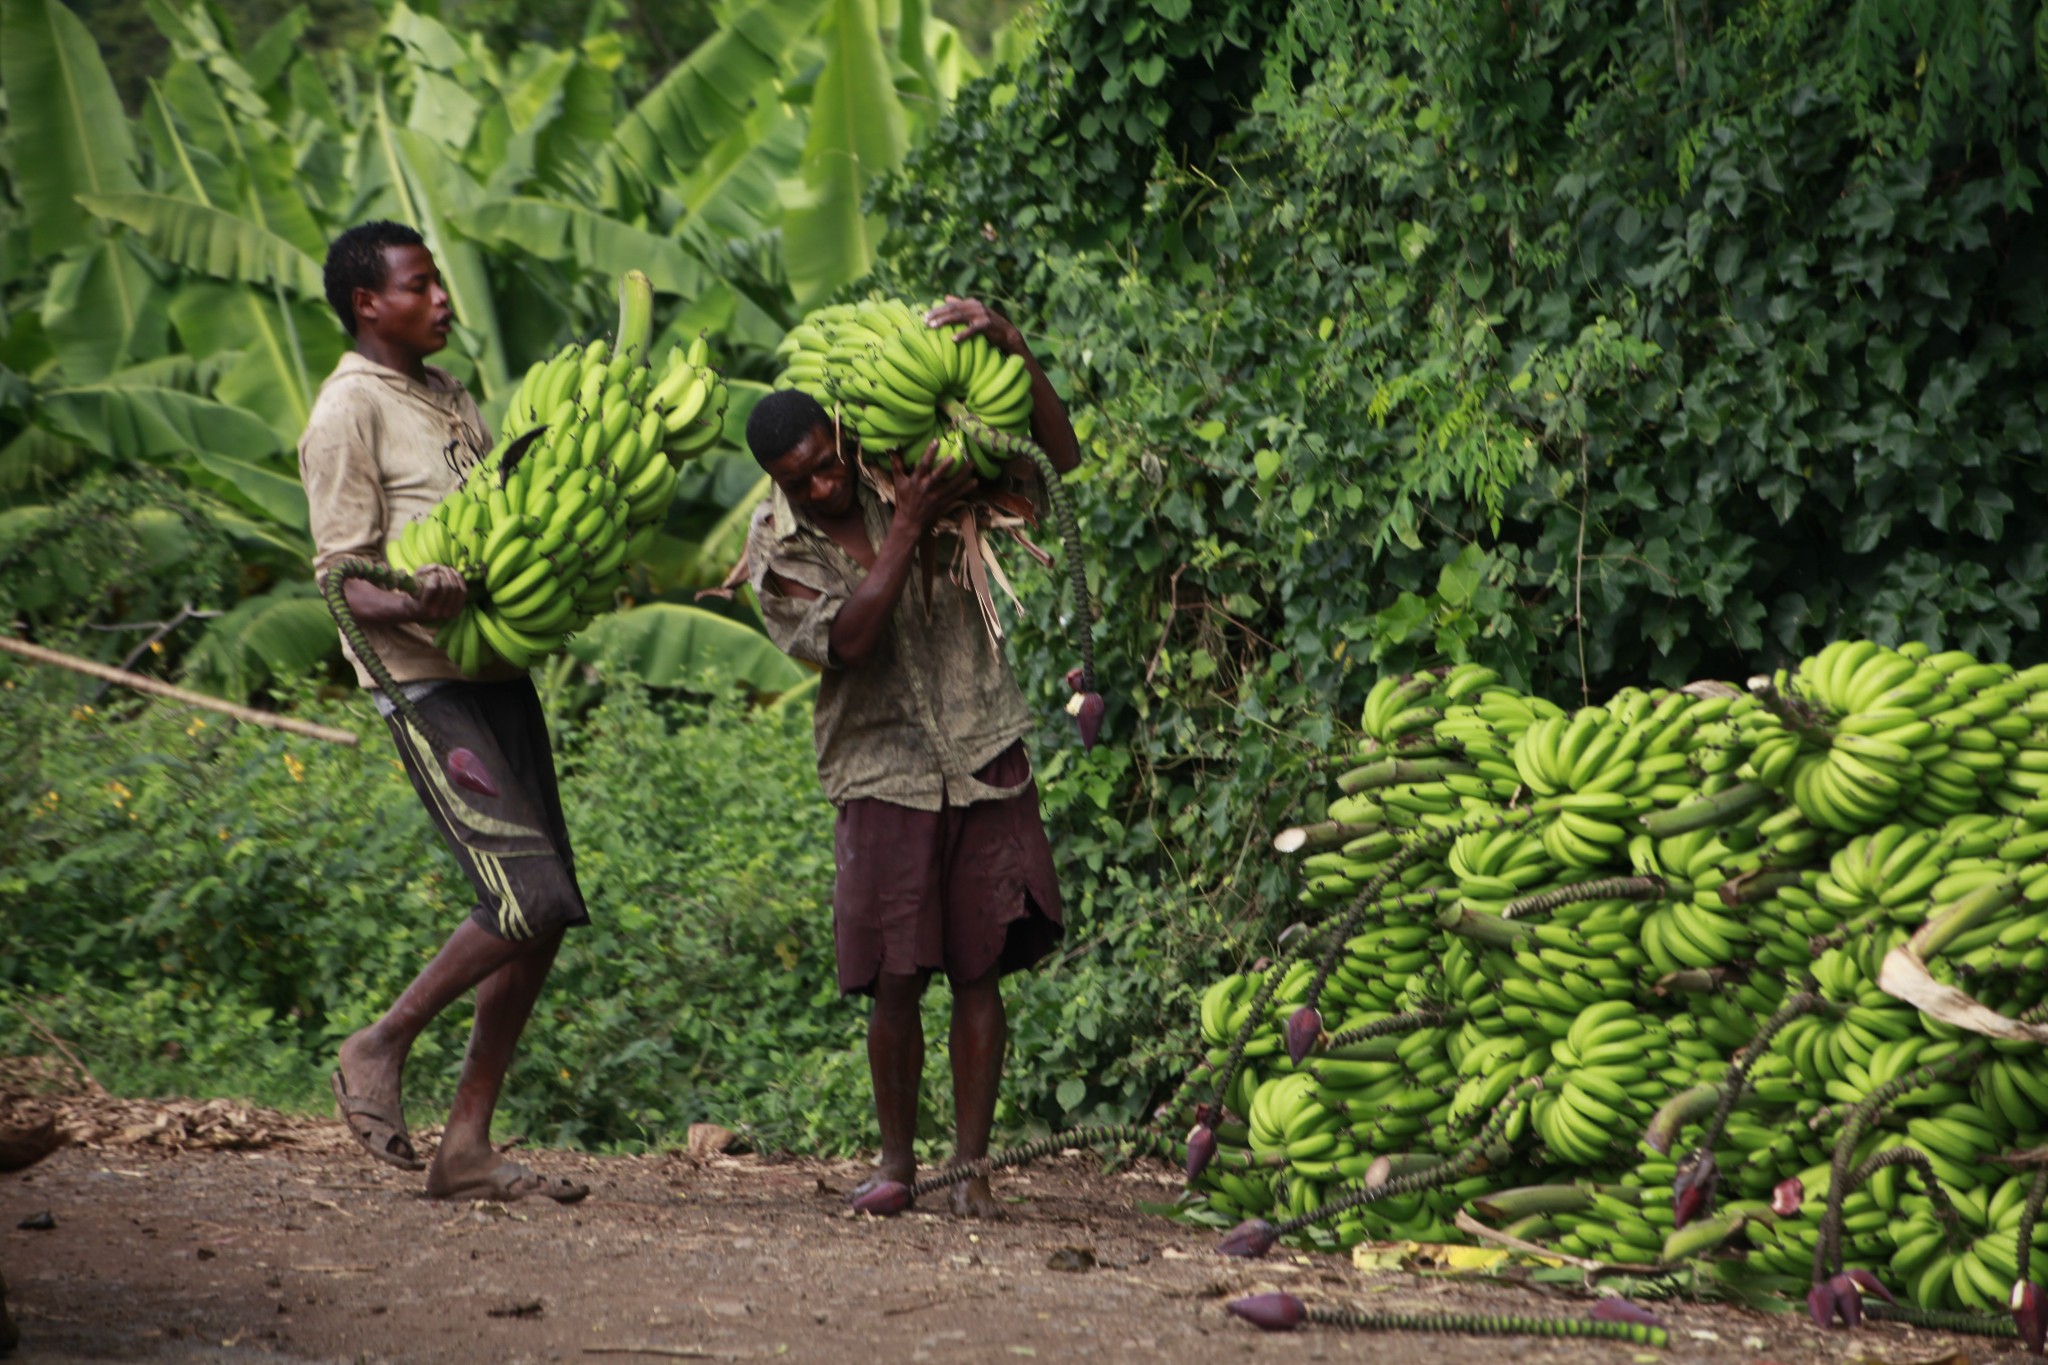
(975, 318)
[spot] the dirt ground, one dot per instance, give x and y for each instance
(171, 1245)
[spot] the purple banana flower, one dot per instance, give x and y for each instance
(2029, 1314)
(1274, 1312)
(1251, 1239)
(1614, 1308)
(1692, 1187)
(1088, 719)
(1304, 1026)
(1842, 1294)
(1201, 1147)
(1787, 1196)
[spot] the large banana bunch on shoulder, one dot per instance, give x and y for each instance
(544, 527)
(900, 384)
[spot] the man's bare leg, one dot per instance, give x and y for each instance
(373, 1059)
(896, 1064)
(980, 1033)
(504, 1002)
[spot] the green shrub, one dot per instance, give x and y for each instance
(206, 908)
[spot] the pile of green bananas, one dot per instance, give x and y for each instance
(900, 384)
(545, 525)
(1670, 912)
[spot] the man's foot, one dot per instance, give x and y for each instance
(494, 1177)
(972, 1198)
(369, 1090)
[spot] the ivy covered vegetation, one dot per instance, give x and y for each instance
(1601, 344)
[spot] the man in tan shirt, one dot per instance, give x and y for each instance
(388, 438)
(942, 861)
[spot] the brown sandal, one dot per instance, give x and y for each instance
(371, 1122)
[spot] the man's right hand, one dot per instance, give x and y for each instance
(927, 492)
(440, 592)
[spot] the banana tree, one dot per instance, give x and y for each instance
(162, 301)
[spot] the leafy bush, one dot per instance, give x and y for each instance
(212, 908)
(1600, 344)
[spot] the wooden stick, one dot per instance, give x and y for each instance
(141, 683)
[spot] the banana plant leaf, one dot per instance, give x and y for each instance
(285, 633)
(64, 119)
(282, 349)
(103, 311)
(211, 241)
(222, 448)
(858, 131)
(603, 246)
(667, 644)
(707, 95)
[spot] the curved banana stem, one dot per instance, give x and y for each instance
(1827, 1251)
(1937, 1194)
(1941, 1320)
(1145, 1139)
(1486, 1324)
(2029, 1215)
(1380, 1028)
(1736, 1082)
(1605, 889)
(462, 765)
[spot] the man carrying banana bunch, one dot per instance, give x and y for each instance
(942, 861)
(388, 438)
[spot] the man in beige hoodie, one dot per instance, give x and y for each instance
(388, 438)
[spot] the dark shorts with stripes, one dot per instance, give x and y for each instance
(514, 846)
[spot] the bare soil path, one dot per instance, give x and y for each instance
(166, 1248)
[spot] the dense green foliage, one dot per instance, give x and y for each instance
(1599, 344)
(200, 906)
(161, 304)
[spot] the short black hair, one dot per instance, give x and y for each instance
(356, 261)
(780, 420)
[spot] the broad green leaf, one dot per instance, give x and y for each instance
(64, 119)
(210, 240)
(132, 422)
(707, 95)
(602, 246)
(261, 488)
(260, 534)
(281, 352)
(666, 644)
(733, 191)
(274, 50)
(857, 133)
(284, 633)
(429, 40)
(443, 110)
(103, 311)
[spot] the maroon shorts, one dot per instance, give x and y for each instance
(967, 889)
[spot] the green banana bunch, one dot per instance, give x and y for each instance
(544, 527)
(900, 384)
